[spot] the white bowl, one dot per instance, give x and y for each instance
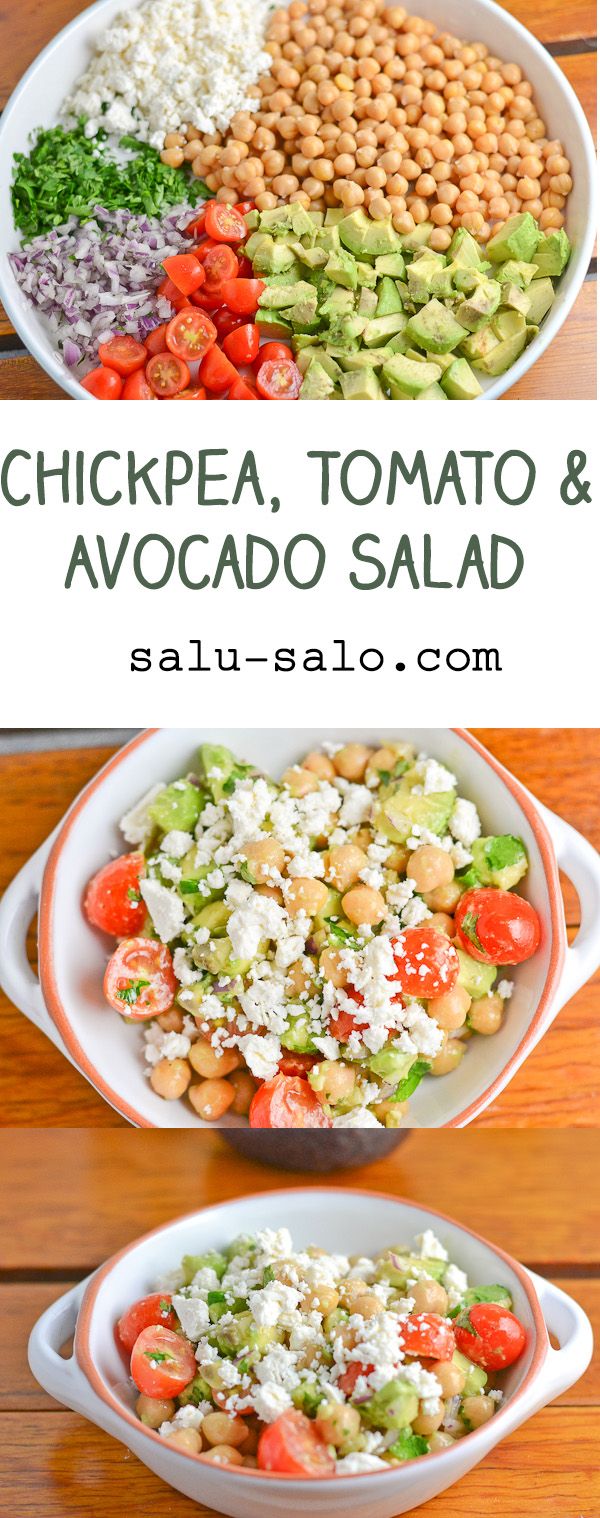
(94, 1382)
(38, 99)
(68, 1005)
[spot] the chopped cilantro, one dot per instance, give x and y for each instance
(188, 887)
(130, 992)
(469, 926)
(133, 895)
(503, 851)
(339, 934)
(268, 1275)
(405, 1088)
(215, 1296)
(159, 1355)
(408, 1445)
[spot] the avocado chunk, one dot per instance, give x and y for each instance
(474, 976)
(277, 297)
(463, 250)
(434, 328)
(503, 355)
(541, 297)
(297, 1035)
(407, 378)
(401, 810)
(176, 807)
(552, 253)
(508, 324)
(394, 1406)
(391, 1063)
(459, 382)
(432, 393)
(392, 264)
(421, 273)
(475, 1374)
(314, 258)
(272, 324)
(366, 358)
(309, 355)
(500, 861)
(515, 298)
(414, 241)
(477, 344)
(516, 272)
(366, 238)
(317, 384)
(339, 302)
(367, 304)
(398, 1267)
(518, 238)
(476, 309)
(499, 1294)
(362, 385)
(285, 219)
(341, 268)
(270, 257)
(334, 215)
(380, 328)
(388, 299)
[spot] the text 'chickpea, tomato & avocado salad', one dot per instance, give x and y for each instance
(386, 207)
(316, 1364)
(306, 951)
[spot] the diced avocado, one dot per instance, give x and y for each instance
(434, 328)
(337, 302)
(285, 219)
(391, 1063)
(177, 806)
(318, 217)
(398, 343)
(441, 283)
(421, 272)
(314, 258)
(363, 385)
(476, 309)
(272, 324)
(270, 257)
(381, 328)
(477, 344)
(443, 360)
(518, 238)
(214, 915)
(345, 330)
(500, 860)
(317, 384)
(304, 313)
(277, 297)
(418, 238)
(334, 215)
(552, 253)
(475, 1374)
(415, 353)
(192, 1263)
(463, 250)
(516, 272)
(388, 299)
(541, 297)
(406, 379)
(194, 1393)
(459, 382)
(531, 331)
(507, 324)
(467, 280)
(392, 264)
(308, 1396)
(474, 976)
(328, 238)
(243, 1331)
(398, 1267)
(394, 1406)
(341, 268)
(515, 298)
(432, 393)
(367, 303)
(366, 358)
(252, 219)
(499, 1294)
(503, 355)
(366, 274)
(297, 1035)
(303, 341)
(367, 238)
(307, 356)
(399, 812)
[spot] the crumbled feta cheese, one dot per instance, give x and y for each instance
(455, 1282)
(435, 777)
(176, 843)
(165, 1046)
(193, 1315)
(356, 807)
(165, 908)
(268, 1304)
(137, 826)
(270, 1401)
(414, 912)
(262, 1054)
(429, 1246)
(464, 823)
(327, 1045)
(358, 1463)
(505, 989)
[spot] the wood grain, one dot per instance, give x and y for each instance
(558, 1085)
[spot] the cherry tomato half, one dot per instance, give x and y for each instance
(103, 383)
(240, 391)
(497, 927)
(169, 292)
(245, 270)
(242, 295)
(216, 372)
(156, 341)
(144, 1314)
(162, 1363)
(272, 351)
(242, 345)
(185, 271)
(167, 374)
(136, 388)
(122, 353)
(224, 223)
(112, 900)
(297, 1064)
(196, 227)
(425, 1333)
(244, 206)
(279, 379)
(190, 334)
(219, 263)
(139, 981)
(225, 322)
(427, 963)
(490, 1335)
(197, 394)
(292, 1445)
(287, 1102)
(353, 1371)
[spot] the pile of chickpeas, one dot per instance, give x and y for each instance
(365, 105)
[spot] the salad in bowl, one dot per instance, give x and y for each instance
(305, 951)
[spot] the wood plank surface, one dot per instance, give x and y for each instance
(558, 1086)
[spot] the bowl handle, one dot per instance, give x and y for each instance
(568, 1323)
(580, 861)
(17, 907)
(63, 1378)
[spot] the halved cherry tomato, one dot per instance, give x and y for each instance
(287, 1102)
(271, 351)
(197, 394)
(245, 270)
(112, 900)
(169, 292)
(185, 271)
(425, 1333)
(136, 388)
(427, 963)
(353, 1371)
(240, 391)
(219, 263)
(144, 1314)
(122, 353)
(244, 206)
(224, 223)
(196, 227)
(225, 321)
(207, 299)
(292, 1445)
(242, 295)
(139, 980)
(490, 1335)
(279, 379)
(190, 334)
(242, 345)
(105, 384)
(497, 927)
(162, 1363)
(156, 341)
(216, 372)
(297, 1064)
(167, 374)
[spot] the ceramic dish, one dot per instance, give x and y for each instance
(93, 1380)
(68, 1005)
(54, 72)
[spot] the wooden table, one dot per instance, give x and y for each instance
(566, 371)
(557, 1087)
(519, 1189)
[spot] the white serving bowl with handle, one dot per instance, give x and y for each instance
(95, 1383)
(39, 96)
(67, 1002)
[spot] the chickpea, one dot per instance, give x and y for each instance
(244, 1087)
(336, 1080)
(319, 765)
(448, 1058)
(450, 1377)
(186, 1438)
(331, 968)
(429, 1296)
(364, 905)
(171, 1021)
(351, 761)
(173, 157)
(210, 1062)
(299, 781)
(367, 1305)
(343, 865)
(337, 1423)
(350, 1290)
(222, 1428)
(440, 1440)
(476, 1410)
(485, 1015)
(154, 1410)
(428, 1423)
(442, 923)
(170, 1078)
(264, 856)
(304, 894)
(225, 1454)
(450, 1010)
(430, 867)
(211, 1099)
(323, 1299)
